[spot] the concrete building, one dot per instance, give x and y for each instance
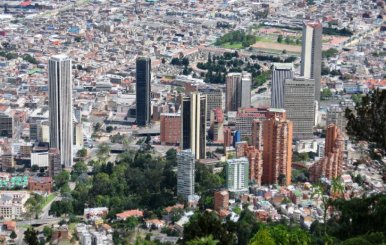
(336, 115)
(311, 66)
(6, 125)
(43, 131)
(193, 124)
(277, 153)
(39, 159)
(238, 91)
(54, 163)
(214, 99)
(12, 204)
(299, 101)
(330, 166)
(170, 128)
(237, 174)
(221, 200)
(143, 88)
(217, 125)
(185, 173)
(60, 106)
(78, 136)
(244, 119)
(280, 72)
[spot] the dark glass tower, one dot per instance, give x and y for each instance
(143, 68)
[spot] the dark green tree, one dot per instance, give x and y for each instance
(31, 237)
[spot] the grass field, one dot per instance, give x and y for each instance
(232, 46)
(49, 198)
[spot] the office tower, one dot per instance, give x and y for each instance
(244, 119)
(217, 125)
(54, 162)
(336, 115)
(237, 171)
(170, 125)
(330, 166)
(257, 134)
(299, 105)
(78, 135)
(238, 91)
(277, 153)
(221, 200)
(185, 173)
(60, 106)
(311, 67)
(228, 141)
(143, 77)
(6, 125)
(280, 72)
(193, 124)
(214, 99)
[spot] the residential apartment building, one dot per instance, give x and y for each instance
(185, 173)
(237, 174)
(170, 128)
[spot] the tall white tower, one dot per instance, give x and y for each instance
(60, 106)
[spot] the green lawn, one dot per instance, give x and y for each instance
(232, 46)
(265, 40)
(48, 199)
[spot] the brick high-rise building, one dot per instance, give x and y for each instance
(54, 163)
(228, 140)
(257, 134)
(244, 119)
(255, 158)
(170, 126)
(277, 153)
(221, 200)
(217, 125)
(330, 166)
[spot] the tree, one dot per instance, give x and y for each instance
(325, 94)
(82, 152)
(262, 237)
(280, 39)
(97, 126)
(287, 40)
(34, 205)
(13, 235)
(103, 152)
(109, 129)
(208, 240)
(78, 169)
(35, 168)
(48, 231)
(61, 179)
(31, 237)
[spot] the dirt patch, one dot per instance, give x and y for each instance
(278, 46)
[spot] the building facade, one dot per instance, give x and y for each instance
(238, 91)
(60, 106)
(193, 124)
(217, 125)
(170, 128)
(221, 200)
(54, 163)
(244, 119)
(237, 174)
(214, 99)
(143, 88)
(6, 125)
(311, 66)
(299, 104)
(280, 72)
(277, 153)
(185, 173)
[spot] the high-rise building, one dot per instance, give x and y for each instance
(221, 200)
(280, 72)
(228, 141)
(238, 91)
(143, 88)
(237, 171)
(6, 125)
(54, 162)
(257, 134)
(185, 173)
(170, 125)
(193, 124)
(336, 115)
(244, 119)
(60, 106)
(255, 158)
(277, 153)
(299, 101)
(311, 67)
(330, 166)
(78, 135)
(43, 131)
(217, 125)
(214, 99)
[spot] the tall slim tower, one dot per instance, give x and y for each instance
(237, 174)
(60, 106)
(311, 67)
(185, 173)
(277, 153)
(238, 91)
(193, 124)
(280, 72)
(143, 77)
(299, 103)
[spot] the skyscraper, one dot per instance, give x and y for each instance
(143, 77)
(54, 163)
(60, 106)
(185, 173)
(237, 174)
(311, 67)
(6, 125)
(280, 72)
(299, 101)
(215, 99)
(238, 91)
(170, 127)
(193, 124)
(277, 153)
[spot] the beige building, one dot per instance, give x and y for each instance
(12, 204)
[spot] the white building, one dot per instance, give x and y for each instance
(40, 159)
(12, 204)
(237, 174)
(185, 173)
